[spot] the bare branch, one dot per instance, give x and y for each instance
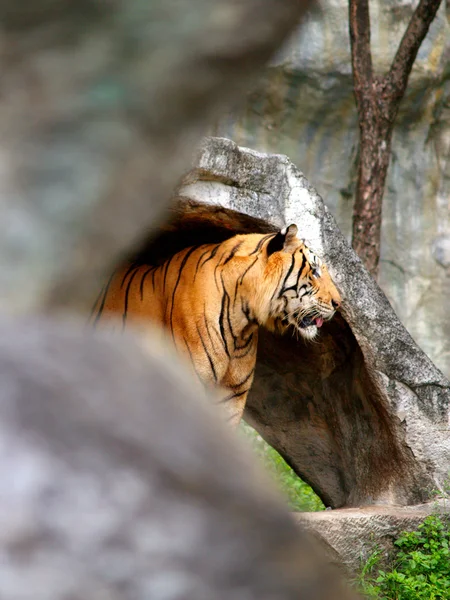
(402, 64)
(359, 23)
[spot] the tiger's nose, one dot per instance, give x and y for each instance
(335, 304)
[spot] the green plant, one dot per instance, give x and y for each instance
(299, 495)
(420, 568)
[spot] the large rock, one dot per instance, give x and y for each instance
(305, 108)
(363, 414)
(117, 481)
(350, 535)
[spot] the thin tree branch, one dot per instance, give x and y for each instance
(359, 23)
(402, 64)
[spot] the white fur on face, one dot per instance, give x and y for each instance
(298, 305)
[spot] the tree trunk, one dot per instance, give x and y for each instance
(374, 156)
(378, 100)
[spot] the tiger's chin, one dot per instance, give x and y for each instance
(308, 327)
(308, 333)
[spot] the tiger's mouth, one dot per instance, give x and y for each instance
(308, 325)
(310, 321)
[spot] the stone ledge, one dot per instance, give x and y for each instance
(350, 535)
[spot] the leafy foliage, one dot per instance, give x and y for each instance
(420, 568)
(299, 495)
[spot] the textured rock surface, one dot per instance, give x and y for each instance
(362, 415)
(349, 536)
(115, 480)
(101, 105)
(305, 108)
(118, 482)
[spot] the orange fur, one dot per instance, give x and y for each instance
(212, 299)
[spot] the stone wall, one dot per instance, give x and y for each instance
(304, 108)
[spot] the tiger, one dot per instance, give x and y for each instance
(212, 299)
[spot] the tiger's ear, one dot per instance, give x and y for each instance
(282, 240)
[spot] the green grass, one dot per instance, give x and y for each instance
(299, 495)
(419, 568)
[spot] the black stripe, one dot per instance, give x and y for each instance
(192, 361)
(240, 279)
(295, 286)
(207, 327)
(230, 327)
(233, 335)
(245, 345)
(183, 264)
(97, 300)
(248, 348)
(141, 286)
(232, 396)
(238, 385)
(221, 320)
(261, 242)
(233, 252)
(198, 262)
(130, 268)
(304, 289)
(127, 292)
(102, 305)
(246, 310)
(211, 364)
(165, 272)
(301, 268)
(218, 265)
(212, 255)
(287, 276)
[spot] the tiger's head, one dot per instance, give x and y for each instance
(300, 291)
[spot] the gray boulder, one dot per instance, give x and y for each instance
(118, 481)
(362, 415)
(349, 536)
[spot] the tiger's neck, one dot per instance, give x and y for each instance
(239, 304)
(254, 293)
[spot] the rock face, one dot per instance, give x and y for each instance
(118, 482)
(305, 108)
(362, 415)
